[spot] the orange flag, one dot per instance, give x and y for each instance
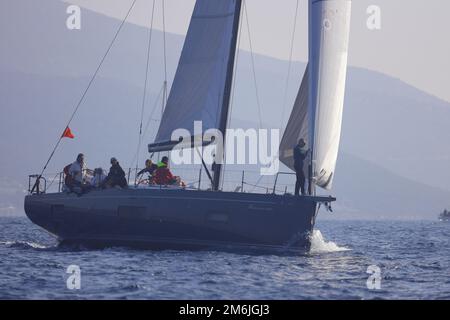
(68, 134)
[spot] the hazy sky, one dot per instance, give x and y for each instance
(413, 43)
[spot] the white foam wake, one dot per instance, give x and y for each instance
(319, 245)
(22, 244)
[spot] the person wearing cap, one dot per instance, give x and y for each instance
(116, 176)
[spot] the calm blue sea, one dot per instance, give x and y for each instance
(413, 259)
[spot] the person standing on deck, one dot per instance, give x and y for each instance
(300, 154)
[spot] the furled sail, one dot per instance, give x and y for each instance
(317, 113)
(200, 91)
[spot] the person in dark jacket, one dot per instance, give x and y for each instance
(300, 154)
(150, 168)
(116, 176)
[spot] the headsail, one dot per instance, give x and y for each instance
(328, 51)
(298, 125)
(200, 91)
(317, 112)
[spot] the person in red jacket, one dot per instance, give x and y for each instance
(163, 176)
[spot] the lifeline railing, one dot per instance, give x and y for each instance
(235, 180)
(276, 180)
(34, 183)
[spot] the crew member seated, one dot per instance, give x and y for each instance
(163, 176)
(98, 178)
(150, 168)
(116, 176)
(76, 176)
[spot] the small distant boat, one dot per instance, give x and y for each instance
(444, 216)
(183, 218)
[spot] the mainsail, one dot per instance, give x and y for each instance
(324, 86)
(201, 88)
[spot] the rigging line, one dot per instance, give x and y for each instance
(283, 112)
(257, 183)
(289, 67)
(253, 64)
(153, 111)
(53, 181)
(88, 87)
(233, 86)
(165, 52)
(144, 98)
(164, 102)
(150, 119)
(255, 186)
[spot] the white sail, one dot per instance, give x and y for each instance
(329, 29)
(298, 125)
(200, 90)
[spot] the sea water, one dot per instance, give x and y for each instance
(348, 260)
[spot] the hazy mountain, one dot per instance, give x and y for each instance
(366, 190)
(395, 160)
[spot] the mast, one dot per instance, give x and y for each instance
(223, 121)
(311, 107)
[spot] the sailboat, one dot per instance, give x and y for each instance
(444, 216)
(213, 219)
